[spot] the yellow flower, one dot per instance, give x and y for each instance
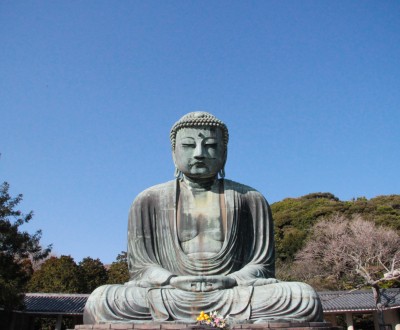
(201, 317)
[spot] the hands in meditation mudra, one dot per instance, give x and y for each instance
(201, 243)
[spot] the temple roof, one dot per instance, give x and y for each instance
(332, 301)
(55, 303)
(360, 300)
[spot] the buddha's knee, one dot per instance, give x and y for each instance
(94, 303)
(303, 290)
(294, 301)
(114, 302)
(281, 290)
(100, 291)
(120, 293)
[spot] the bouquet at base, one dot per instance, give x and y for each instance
(213, 319)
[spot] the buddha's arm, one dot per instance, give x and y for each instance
(252, 275)
(261, 262)
(153, 276)
(145, 270)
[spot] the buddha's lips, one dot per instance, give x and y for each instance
(201, 164)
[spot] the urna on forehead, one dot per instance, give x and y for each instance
(198, 119)
(201, 131)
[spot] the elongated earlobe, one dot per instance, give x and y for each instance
(177, 173)
(222, 173)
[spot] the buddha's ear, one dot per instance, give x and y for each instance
(177, 174)
(173, 156)
(225, 156)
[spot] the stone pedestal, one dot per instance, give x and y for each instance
(180, 326)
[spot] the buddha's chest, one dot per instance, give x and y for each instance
(199, 223)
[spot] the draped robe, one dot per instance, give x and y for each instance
(247, 255)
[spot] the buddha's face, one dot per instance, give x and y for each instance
(199, 152)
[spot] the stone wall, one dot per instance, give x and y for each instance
(179, 326)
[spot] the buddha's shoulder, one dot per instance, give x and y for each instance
(158, 190)
(242, 189)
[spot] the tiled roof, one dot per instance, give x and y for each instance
(55, 303)
(361, 300)
(332, 301)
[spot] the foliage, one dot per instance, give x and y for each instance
(17, 249)
(295, 217)
(47, 323)
(93, 274)
(63, 275)
(118, 272)
(59, 275)
(349, 253)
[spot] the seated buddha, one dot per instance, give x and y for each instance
(201, 243)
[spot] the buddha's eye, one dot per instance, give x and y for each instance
(211, 145)
(188, 145)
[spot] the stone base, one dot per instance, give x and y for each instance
(181, 326)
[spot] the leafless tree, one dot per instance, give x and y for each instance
(353, 252)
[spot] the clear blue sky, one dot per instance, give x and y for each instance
(310, 91)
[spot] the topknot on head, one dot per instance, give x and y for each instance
(198, 119)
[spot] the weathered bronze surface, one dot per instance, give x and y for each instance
(201, 243)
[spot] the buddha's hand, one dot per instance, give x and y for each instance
(202, 283)
(265, 281)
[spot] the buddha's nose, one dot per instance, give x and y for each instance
(199, 152)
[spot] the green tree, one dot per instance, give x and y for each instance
(118, 272)
(59, 275)
(294, 217)
(93, 274)
(17, 249)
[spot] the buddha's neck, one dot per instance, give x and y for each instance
(200, 184)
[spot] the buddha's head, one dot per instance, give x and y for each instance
(199, 145)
